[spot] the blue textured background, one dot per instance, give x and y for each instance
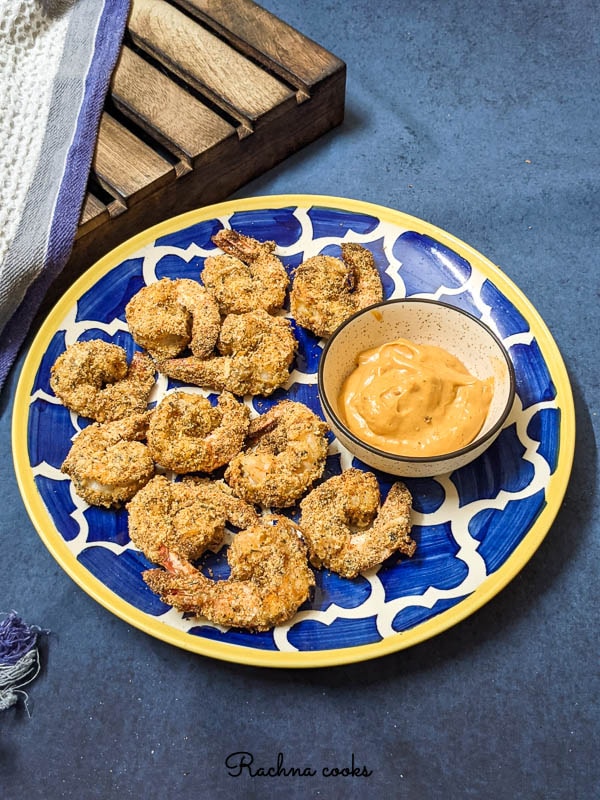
(446, 105)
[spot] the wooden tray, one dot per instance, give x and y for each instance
(207, 94)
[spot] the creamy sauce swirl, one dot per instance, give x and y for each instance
(414, 400)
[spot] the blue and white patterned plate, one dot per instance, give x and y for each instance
(475, 528)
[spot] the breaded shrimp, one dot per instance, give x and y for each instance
(327, 290)
(108, 463)
(167, 316)
(345, 529)
(249, 276)
(286, 455)
(184, 519)
(188, 434)
(92, 378)
(270, 579)
(257, 351)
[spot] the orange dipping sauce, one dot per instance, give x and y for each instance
(414, 400)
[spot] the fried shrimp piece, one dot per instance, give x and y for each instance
(93, 379)
(270, 579)
(108, 463)
(188, 434)
(327, 290)
(181, 520)
(256, 353)
(247, 277)
(167, 316)
(346, 530)
(286, 454)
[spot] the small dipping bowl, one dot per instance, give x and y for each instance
(423, 322)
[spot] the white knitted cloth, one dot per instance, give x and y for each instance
(31, 44)
(56, 60)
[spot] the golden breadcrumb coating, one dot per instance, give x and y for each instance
(286, 454)
(188, 434)
(186, 517)
(257, 351)
(93, 379)
(345, 529)
(248, 277)
(108, 463)
(327, 290)
(270, 579)
(167, 316)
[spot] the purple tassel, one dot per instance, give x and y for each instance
(19, 660)
(16, 638)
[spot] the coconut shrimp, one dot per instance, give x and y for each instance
(286, 454)
(188, 434)
(249, 276)
(256, 353)
(327, 290)
(93, 379)
(270, 579)
(346, 530)
(181, 520)
(167, 316)
(108, 463)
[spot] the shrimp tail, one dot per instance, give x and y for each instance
(366, 280)
(179, 589)
(263, 424)
(243, 247)
(210, 373)
(141, 369)
(393, 520)
(173, 563)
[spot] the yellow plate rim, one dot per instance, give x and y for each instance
(46, 529)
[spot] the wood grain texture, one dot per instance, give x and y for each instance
(165, 110)
(274, 43)
(125, 166)
(166, 146)
(209, 64)
(93, 213)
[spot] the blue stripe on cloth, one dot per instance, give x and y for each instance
(92, 46)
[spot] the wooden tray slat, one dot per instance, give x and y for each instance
(93, 213)
(165, 110)
(209, 64)
(125, 166)
(274, 43)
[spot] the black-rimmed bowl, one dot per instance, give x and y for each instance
(422, 321)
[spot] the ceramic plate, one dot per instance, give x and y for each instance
(475, 528)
